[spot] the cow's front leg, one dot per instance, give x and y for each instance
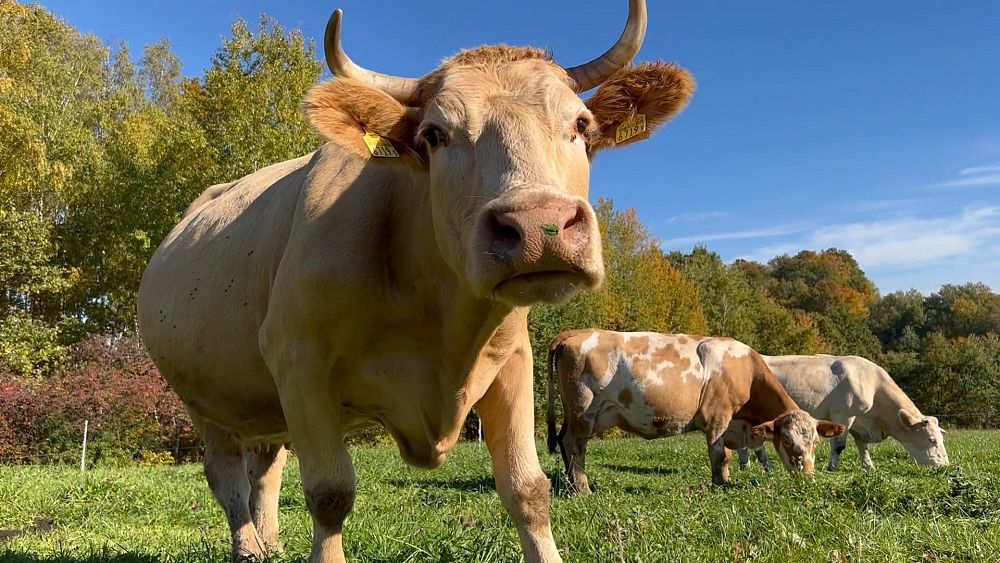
(838, 444)
(744, 454)
(719, 455)
(311, 402)
(507, 411)
(761, 453)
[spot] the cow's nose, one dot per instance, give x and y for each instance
(539, 234)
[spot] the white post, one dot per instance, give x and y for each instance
(479, 427)
(83, 453)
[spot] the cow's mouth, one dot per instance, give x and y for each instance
(548, 286)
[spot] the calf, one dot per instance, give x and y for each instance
(658, 385)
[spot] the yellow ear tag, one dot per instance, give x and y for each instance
(380, 147)
(632, 127)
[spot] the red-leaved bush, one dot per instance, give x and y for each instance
(112, 384)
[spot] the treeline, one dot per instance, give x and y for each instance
(100, 155)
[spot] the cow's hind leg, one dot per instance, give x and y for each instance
(264, 467)
(866, 458)
(226, 472)
(574, 448)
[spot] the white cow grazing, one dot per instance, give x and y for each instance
(860, 395)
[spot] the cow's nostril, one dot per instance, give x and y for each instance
(579, 218)
(503, 230)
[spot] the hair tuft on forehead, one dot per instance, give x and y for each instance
(495, 55)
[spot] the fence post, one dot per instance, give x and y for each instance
(83, 452)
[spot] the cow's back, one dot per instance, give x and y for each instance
(205, 292)
(826, 386)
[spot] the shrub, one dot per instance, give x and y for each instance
(112, 384)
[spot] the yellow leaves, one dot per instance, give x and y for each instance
(642, 290)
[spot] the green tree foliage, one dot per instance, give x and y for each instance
(831, 288)
(736, 305)
(963, 310)
(248, 100)
(102, 155)
(957, 379)
(898, 317)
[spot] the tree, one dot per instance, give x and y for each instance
(724, 292)
(896, 315)
(964, 310)
(248, 101)
(831, 288)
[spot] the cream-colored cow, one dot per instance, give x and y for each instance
(657, 385)
(862, 396)
(385, 278)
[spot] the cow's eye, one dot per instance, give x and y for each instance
(582, 124)
(434, 137)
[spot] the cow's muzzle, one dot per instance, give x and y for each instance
(539, 247)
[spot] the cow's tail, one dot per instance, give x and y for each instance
(550, 415)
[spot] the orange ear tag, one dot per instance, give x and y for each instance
(380, 147)
(631, 127)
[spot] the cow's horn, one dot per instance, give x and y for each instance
(406, 90)
(597, 71)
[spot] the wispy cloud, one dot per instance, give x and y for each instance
(697, 217)
(735, 235)
(973, 170)
(900, 205)
(908, 242)
(973, 182)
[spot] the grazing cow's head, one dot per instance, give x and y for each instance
(505, 144)
(795, 436)
(923, 438)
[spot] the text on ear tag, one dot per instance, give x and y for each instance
(631, 127)
(380, 147)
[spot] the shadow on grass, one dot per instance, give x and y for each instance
(15, 557)
(482, 484)
(642, 470)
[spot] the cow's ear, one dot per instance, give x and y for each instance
(344, 111)
(636, 101)
(828, 429)
(764, 430)
(908, 419)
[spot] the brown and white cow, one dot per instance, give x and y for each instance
(657, 385)
(863, 397)
(385, 278)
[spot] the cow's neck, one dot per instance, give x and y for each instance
(458, 341)
(889, 399)
(768, 399)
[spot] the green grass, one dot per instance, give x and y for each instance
(653, 503)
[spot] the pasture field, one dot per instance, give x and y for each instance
(653, 503)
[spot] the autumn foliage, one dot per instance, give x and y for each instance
(110, 383)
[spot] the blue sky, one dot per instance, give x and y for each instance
(868, 126)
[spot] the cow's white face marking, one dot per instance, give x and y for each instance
(925, 442)
(795, 441)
